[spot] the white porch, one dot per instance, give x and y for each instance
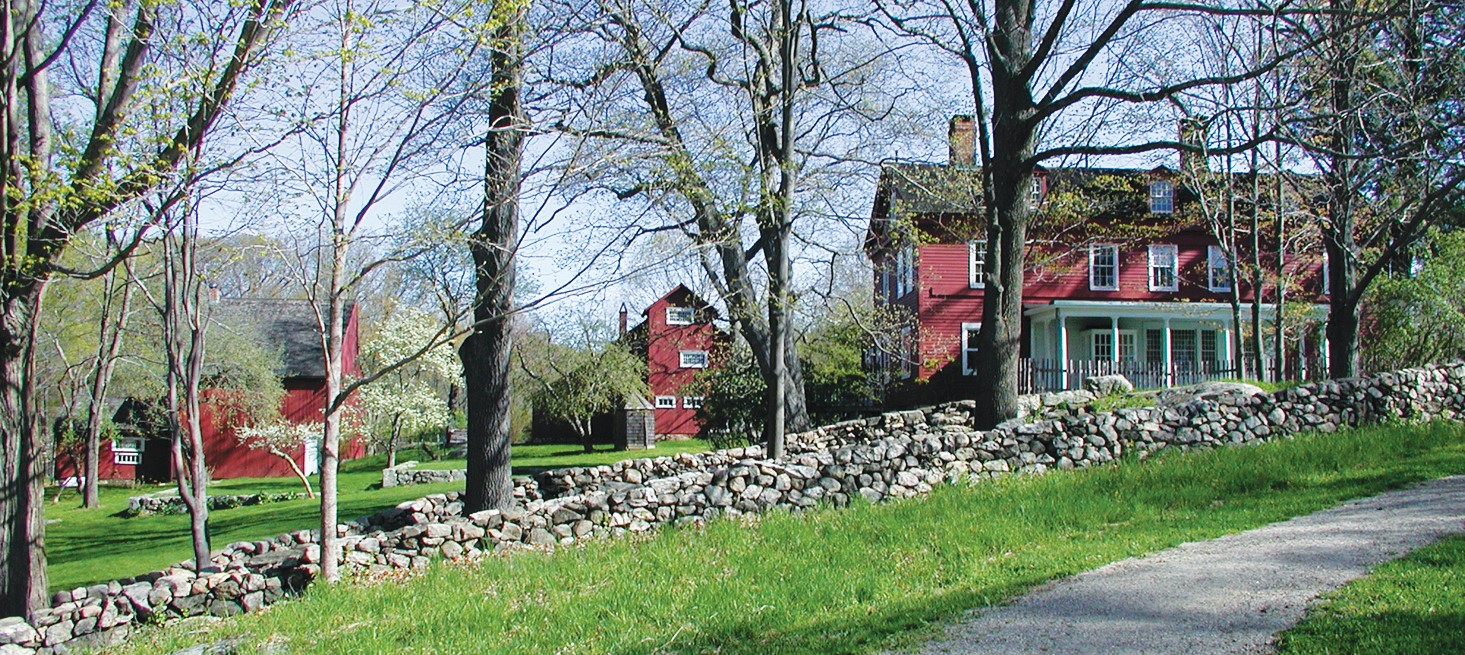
(1154, 344)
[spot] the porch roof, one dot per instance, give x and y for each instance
(1204, 311)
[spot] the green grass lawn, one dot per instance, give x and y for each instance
(534, 458)
(1409, 606)
(854, 580)
(85, 546)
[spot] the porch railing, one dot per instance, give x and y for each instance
(1039, 375)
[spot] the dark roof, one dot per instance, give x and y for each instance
(685, 294)
(289, 326)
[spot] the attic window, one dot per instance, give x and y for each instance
(1162, 197)
(680, 315)
(693, 359)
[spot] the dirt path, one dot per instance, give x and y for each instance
(1228, 595)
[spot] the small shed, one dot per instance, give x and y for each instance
(635, 425)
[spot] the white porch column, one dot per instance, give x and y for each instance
(1114, 338)
(1302, 355)
(1231, 347)
(1169, 363)
(1062, 350)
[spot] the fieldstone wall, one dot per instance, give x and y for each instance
(407, 473)
(896, 455)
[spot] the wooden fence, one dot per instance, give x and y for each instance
(1038, 375)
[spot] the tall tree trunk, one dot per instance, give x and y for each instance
(487, 351)
(999, 342)
(1338, 232)
(109, 348)
(330, 443)
(22, 525)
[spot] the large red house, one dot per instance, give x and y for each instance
(1123, 276)
(142, 452)
(679, 340)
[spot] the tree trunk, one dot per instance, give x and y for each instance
(330, 443)
(109, 347)
(1338, 239)
(487, 350)
(22, 525)
(1008, 178)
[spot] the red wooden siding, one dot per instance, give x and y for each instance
(664, 373)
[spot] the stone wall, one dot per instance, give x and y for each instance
(895, 455)
(407, 473)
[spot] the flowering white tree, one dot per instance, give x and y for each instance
(408, 399)
(282, 439)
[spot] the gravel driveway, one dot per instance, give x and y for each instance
(1228, 595)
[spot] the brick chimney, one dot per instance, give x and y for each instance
(1192, 132)
(961, 138)
(625, 315)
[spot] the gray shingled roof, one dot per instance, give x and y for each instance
(289, 326)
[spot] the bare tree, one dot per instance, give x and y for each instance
(1386, 132)
(719, 119)
(47, 195)
(487, 352)
(389, 91)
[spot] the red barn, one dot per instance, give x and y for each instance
(142, 452)
(1123, 276)
(679, 342)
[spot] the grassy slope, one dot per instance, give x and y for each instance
(85, 546)
(1408, 606)
(839, 581)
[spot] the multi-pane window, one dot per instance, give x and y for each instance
(1218, 269)
(691, 402)
(680, 315)
(1164, 268)
(694, 359)
(1103, 267)
(1208, 345)
(1102, 345)
(1037, 191)
(1182, 346)
(976, 263)
(1162, 197)
(1154, 346)
(1126, 345)
(666, 402)
(905, 271)
(969, 333)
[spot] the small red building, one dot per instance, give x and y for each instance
(679, 341)
(1123, 276)
(142, 452)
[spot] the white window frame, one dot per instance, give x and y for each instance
(683, 358)
(127, 450)
(681, 315)
(1093, 251)
(692, 402)
(1158, 266)
(976, 256)
(1218, 270)
(666, 402)
(1162, 197)
(969, 352)
(1327, 280)
(1037, 196)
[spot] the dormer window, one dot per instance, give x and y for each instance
(680, 315)
(1162, 197)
